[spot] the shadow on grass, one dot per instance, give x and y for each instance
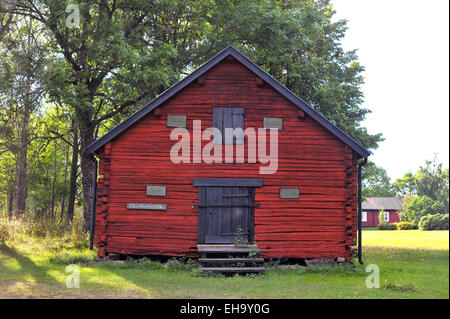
(401, 269)
(27, 268)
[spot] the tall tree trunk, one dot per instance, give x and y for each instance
(73, 174)
(87, 166)
(63, 199)
(54, 181)
(11, 191)
(21, 197)
(22, 193)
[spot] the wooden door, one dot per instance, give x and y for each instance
(226, 214)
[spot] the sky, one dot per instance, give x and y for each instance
(404, 46)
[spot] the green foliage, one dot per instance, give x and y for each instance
(4, 233)
(375, 181)
(386, 226)
(405, 226)
(125, 53)
(241, 239)
(68, 257)
(416, 207)
(178, 264)
(55, 236)
(46, 227)
(77, 235)
(297, 42)
(405, 186)
(433, 181)
(434, 222)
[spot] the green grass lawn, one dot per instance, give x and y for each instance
(416, 239)
(413, 264)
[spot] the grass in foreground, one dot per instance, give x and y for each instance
(37, 269)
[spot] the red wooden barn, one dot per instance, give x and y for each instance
(372, 206)
(147, 204)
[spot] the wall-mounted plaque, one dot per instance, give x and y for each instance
(176, 120)
(289, 193)
(273, 122)
(146, 206)
(153, 190)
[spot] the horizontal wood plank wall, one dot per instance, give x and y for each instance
(103, 184)
(310, 158)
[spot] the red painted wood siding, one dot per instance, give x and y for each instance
(322, 223)
(372, 218)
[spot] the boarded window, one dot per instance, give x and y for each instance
(176, 120)
(273, 122)
(231, 118)
(153, 190)
(289, 193)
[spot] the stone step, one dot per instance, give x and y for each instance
(234, 269)
(230, 260)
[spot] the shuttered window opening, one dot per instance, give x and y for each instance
(227, 120)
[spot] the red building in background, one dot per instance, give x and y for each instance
(372, 207)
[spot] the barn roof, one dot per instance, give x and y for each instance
(230, 50)
(388, 203)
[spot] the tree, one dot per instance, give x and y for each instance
(299, 44)
(124, 53)
(49, 162)
(414, 208)
(405, 186)
(432, 180)
(20, 91)
(111, 62)
(375, 181)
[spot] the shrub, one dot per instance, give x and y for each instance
(443, 223)
(386, 226)
(175, 264)
(416, 207)
(44, 226)
(434, 222)
(405, 226)
(4, 232)
(77, 236)
(72, 257)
